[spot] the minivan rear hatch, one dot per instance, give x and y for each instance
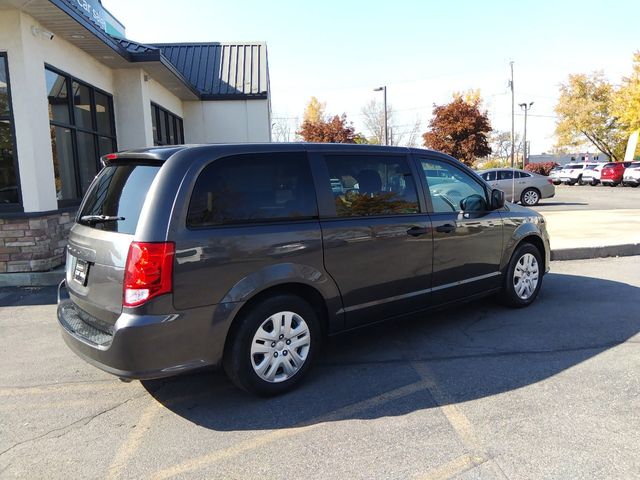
(100, 239)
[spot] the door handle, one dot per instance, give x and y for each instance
(417, 231)
(448, 228)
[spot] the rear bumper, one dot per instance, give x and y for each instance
(144, 346)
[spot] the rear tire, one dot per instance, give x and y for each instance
(593, 183)
(530, 197)
(272, 345)
(523, 277)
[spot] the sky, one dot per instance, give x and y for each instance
(422, 51)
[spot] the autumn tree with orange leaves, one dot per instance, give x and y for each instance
(460, 129)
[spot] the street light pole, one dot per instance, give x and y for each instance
(386, 129)
(513, 116)
(526, 108)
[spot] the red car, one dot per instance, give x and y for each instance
(612, 173)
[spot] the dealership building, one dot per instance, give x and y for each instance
(73, 88)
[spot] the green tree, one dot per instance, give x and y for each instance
(585, 114)
(460, 129)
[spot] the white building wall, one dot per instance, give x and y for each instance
(227, 121)
(163, 97)
(132, 105)
(30, 110)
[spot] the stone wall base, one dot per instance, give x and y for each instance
(34, 244)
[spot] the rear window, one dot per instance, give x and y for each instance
(253, 188)
(119, 191)
(609, 165)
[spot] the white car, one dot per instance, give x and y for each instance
(571, 173)
(554, 175)
(591, 174)
(631, 175)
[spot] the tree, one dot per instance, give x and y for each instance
(315, 111)
(373, 118)
(500, 143)
(335, 130)
(626, 102)
(585, 115)
(460, 129)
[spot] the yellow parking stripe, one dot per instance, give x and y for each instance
(253, 443)
(454, 467)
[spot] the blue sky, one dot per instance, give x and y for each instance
(423, 51)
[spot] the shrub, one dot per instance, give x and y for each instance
(540, 168)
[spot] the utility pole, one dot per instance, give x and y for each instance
(526, 108)
(386, 129)
(513, 121)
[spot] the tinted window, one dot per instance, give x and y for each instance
(120, 191)
(489, 176)
(253, 188)
(82, 105)
(365, 185)
(8, 168)
(505, 175)
(522, 175)
(58, 97)
(449, 185)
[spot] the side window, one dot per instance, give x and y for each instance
(489, 176)
(253, 188)
(449, 186)
(505, 174)
(522, 175)
(365, 185)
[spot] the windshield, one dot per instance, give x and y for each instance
(119, 191)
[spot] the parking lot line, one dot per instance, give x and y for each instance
(54, 387)
(130, 446)
(461, 425)
(453, 468)
(255, 442)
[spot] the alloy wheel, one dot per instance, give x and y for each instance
(530, 197)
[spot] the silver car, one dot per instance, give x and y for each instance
(519, 185)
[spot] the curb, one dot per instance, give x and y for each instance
(54, 277)
(586, 253)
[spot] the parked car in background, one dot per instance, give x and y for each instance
(519, 185)
(613, 172)
(554, 175)
(591, 174)
(631, 175)
(293, 257)
(571, 173)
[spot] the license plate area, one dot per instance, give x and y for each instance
(81, 271)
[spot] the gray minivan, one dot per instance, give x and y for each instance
(246, 256)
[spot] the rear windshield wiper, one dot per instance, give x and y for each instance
(93, 219)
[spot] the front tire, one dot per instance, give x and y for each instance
(523, 278)
(272, 345)
(530, 197)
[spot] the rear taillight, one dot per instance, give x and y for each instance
(550, 181)
(148, 272)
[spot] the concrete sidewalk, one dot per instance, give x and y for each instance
(580, 234)
(574, 234)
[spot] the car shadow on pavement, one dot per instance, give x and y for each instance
(469, 352)
(27, 296)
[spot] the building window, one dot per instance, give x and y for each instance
(9, 190)
(167, 127)
(82, 130)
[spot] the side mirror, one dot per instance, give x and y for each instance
(473, 203)
(497, 199)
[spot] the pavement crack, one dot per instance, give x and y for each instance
(71, 426)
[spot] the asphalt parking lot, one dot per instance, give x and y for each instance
(586, 197)
(476, 392)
